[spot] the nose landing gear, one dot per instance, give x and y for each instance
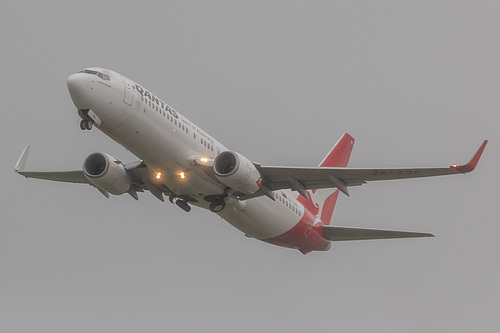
(86, 124)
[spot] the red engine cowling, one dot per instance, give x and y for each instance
(237, 172)
(107, 173)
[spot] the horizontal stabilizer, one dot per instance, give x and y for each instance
(334, 233)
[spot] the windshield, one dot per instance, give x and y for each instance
(103, 76)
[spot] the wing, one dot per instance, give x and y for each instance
(59, 176)
(140, 174)
(302, 179)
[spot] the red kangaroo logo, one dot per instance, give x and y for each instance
(309, 204)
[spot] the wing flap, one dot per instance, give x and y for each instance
(336, 234)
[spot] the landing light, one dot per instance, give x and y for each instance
(203, 159)
(158, 175)
(183, 175)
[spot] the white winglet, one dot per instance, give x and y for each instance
(21, 163)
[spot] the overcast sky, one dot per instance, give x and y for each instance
(416, 83)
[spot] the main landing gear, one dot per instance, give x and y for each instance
(217, 206)
(217, 202)
(183, 205)
(182, 202)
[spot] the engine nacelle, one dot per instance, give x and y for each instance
(237, 172)
(107, 173)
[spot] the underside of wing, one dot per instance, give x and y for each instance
(59, 176)
(335, 234)
(133, 177)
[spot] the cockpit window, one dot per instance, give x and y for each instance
(103, 76)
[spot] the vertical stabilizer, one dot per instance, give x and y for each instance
(340, 153)
(322, 202)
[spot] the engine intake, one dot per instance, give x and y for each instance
(106, 172)
(237, 172)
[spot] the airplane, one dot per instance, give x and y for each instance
(290, 207)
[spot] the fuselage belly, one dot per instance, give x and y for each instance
(169, 144)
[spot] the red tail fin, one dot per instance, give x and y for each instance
(340, 153)
(323, 201)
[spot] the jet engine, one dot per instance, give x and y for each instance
(237, 172)
(107, 173)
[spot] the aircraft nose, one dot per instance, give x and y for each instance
(78, 87)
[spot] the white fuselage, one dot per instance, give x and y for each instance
(169, 144)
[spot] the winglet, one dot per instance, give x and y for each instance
(473, 162)
(21, 163)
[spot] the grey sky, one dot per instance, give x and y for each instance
(416, 83)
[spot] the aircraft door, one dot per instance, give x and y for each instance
(128, 97)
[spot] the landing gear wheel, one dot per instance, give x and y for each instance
(217, 206)
(183, 205)
(88, 124)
